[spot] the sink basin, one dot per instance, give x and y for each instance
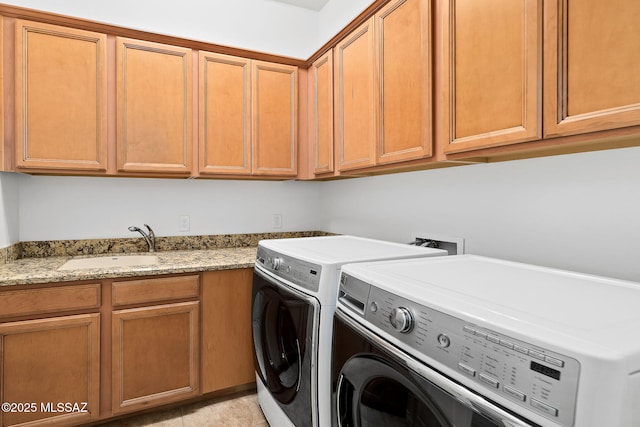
(109, 262)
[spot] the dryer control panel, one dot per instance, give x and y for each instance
(536, 378)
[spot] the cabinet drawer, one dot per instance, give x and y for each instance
(48, 300)
(154, 290)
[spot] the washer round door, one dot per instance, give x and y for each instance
(282, 328)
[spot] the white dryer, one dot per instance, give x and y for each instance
(478, 342)
(295, 287)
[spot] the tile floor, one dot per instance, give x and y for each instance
(240, 411)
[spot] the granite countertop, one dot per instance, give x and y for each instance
(45, 270)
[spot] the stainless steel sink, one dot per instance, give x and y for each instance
(109, 262)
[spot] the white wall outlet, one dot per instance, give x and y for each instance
(185, 223)
(277, 221)
(453, 245)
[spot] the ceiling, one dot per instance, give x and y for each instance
(307, 4)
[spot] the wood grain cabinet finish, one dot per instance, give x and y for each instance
(225, 114)
(274, 107)
(155, 112)
(383, 82)
(155, 355)
(490, 91)
(403, 49)
(51, 361)
(248, 116)
(321, 112)
(355, 109)
(592, 66)
(227, 347)
(61, 98)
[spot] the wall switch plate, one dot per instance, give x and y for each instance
(453, 245)
(277, 221)
(185, 223)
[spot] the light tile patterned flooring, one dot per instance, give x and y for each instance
(240, 411)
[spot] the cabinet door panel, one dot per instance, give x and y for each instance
(225, 114)
(49, 361)
(492, 73)
(61, 89)
(322, 113)
(227, 347)
(404, 69)
(592, 80)
(356, 135)
(154, 107)
(155, 355)
(275, 113)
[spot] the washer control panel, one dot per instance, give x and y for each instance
(537, 379)
(302, 273)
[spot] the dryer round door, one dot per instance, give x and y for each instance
(373, 392)
(281, 323)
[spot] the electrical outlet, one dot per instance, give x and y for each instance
(277, 221)
(453, 245)
(185, 223)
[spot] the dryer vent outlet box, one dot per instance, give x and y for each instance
(453, 245)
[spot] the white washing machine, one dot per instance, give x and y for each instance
(478, 342)
(295, 288)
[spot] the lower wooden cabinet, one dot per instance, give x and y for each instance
(50, 370)
(123, 345)
(155, 355)
(227, 347)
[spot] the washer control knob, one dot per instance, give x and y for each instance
(276, 263)
(401, 319)
(443, 341)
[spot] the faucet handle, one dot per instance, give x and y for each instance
(151, 233)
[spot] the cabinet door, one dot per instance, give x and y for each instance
(227, 348)
(225, 114)
(155, 355)
(275, 118)
(47, 362)
(592, 66)
(61, 102)
(403, 41)
(491, 73)
(322, 113)
(355, 121)
(154, 107)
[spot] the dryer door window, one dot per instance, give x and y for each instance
(372, 392)
(279, 335)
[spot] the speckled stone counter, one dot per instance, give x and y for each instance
(45, 270)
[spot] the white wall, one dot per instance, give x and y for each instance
(260, 25)
(579, 212)
(9, 213)
(335, 15)
(53, 208)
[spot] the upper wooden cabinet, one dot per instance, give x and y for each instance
(248, 116)
(383, 88)
(321, 114)
(355, 114)
(592, 63)
(490, 73)
(225, 114)
(155, 112)
(274, 105)
(403, 45)
(60, 103)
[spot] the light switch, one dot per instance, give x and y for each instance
(185, 223)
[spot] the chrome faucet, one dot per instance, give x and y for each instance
(150, 238)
